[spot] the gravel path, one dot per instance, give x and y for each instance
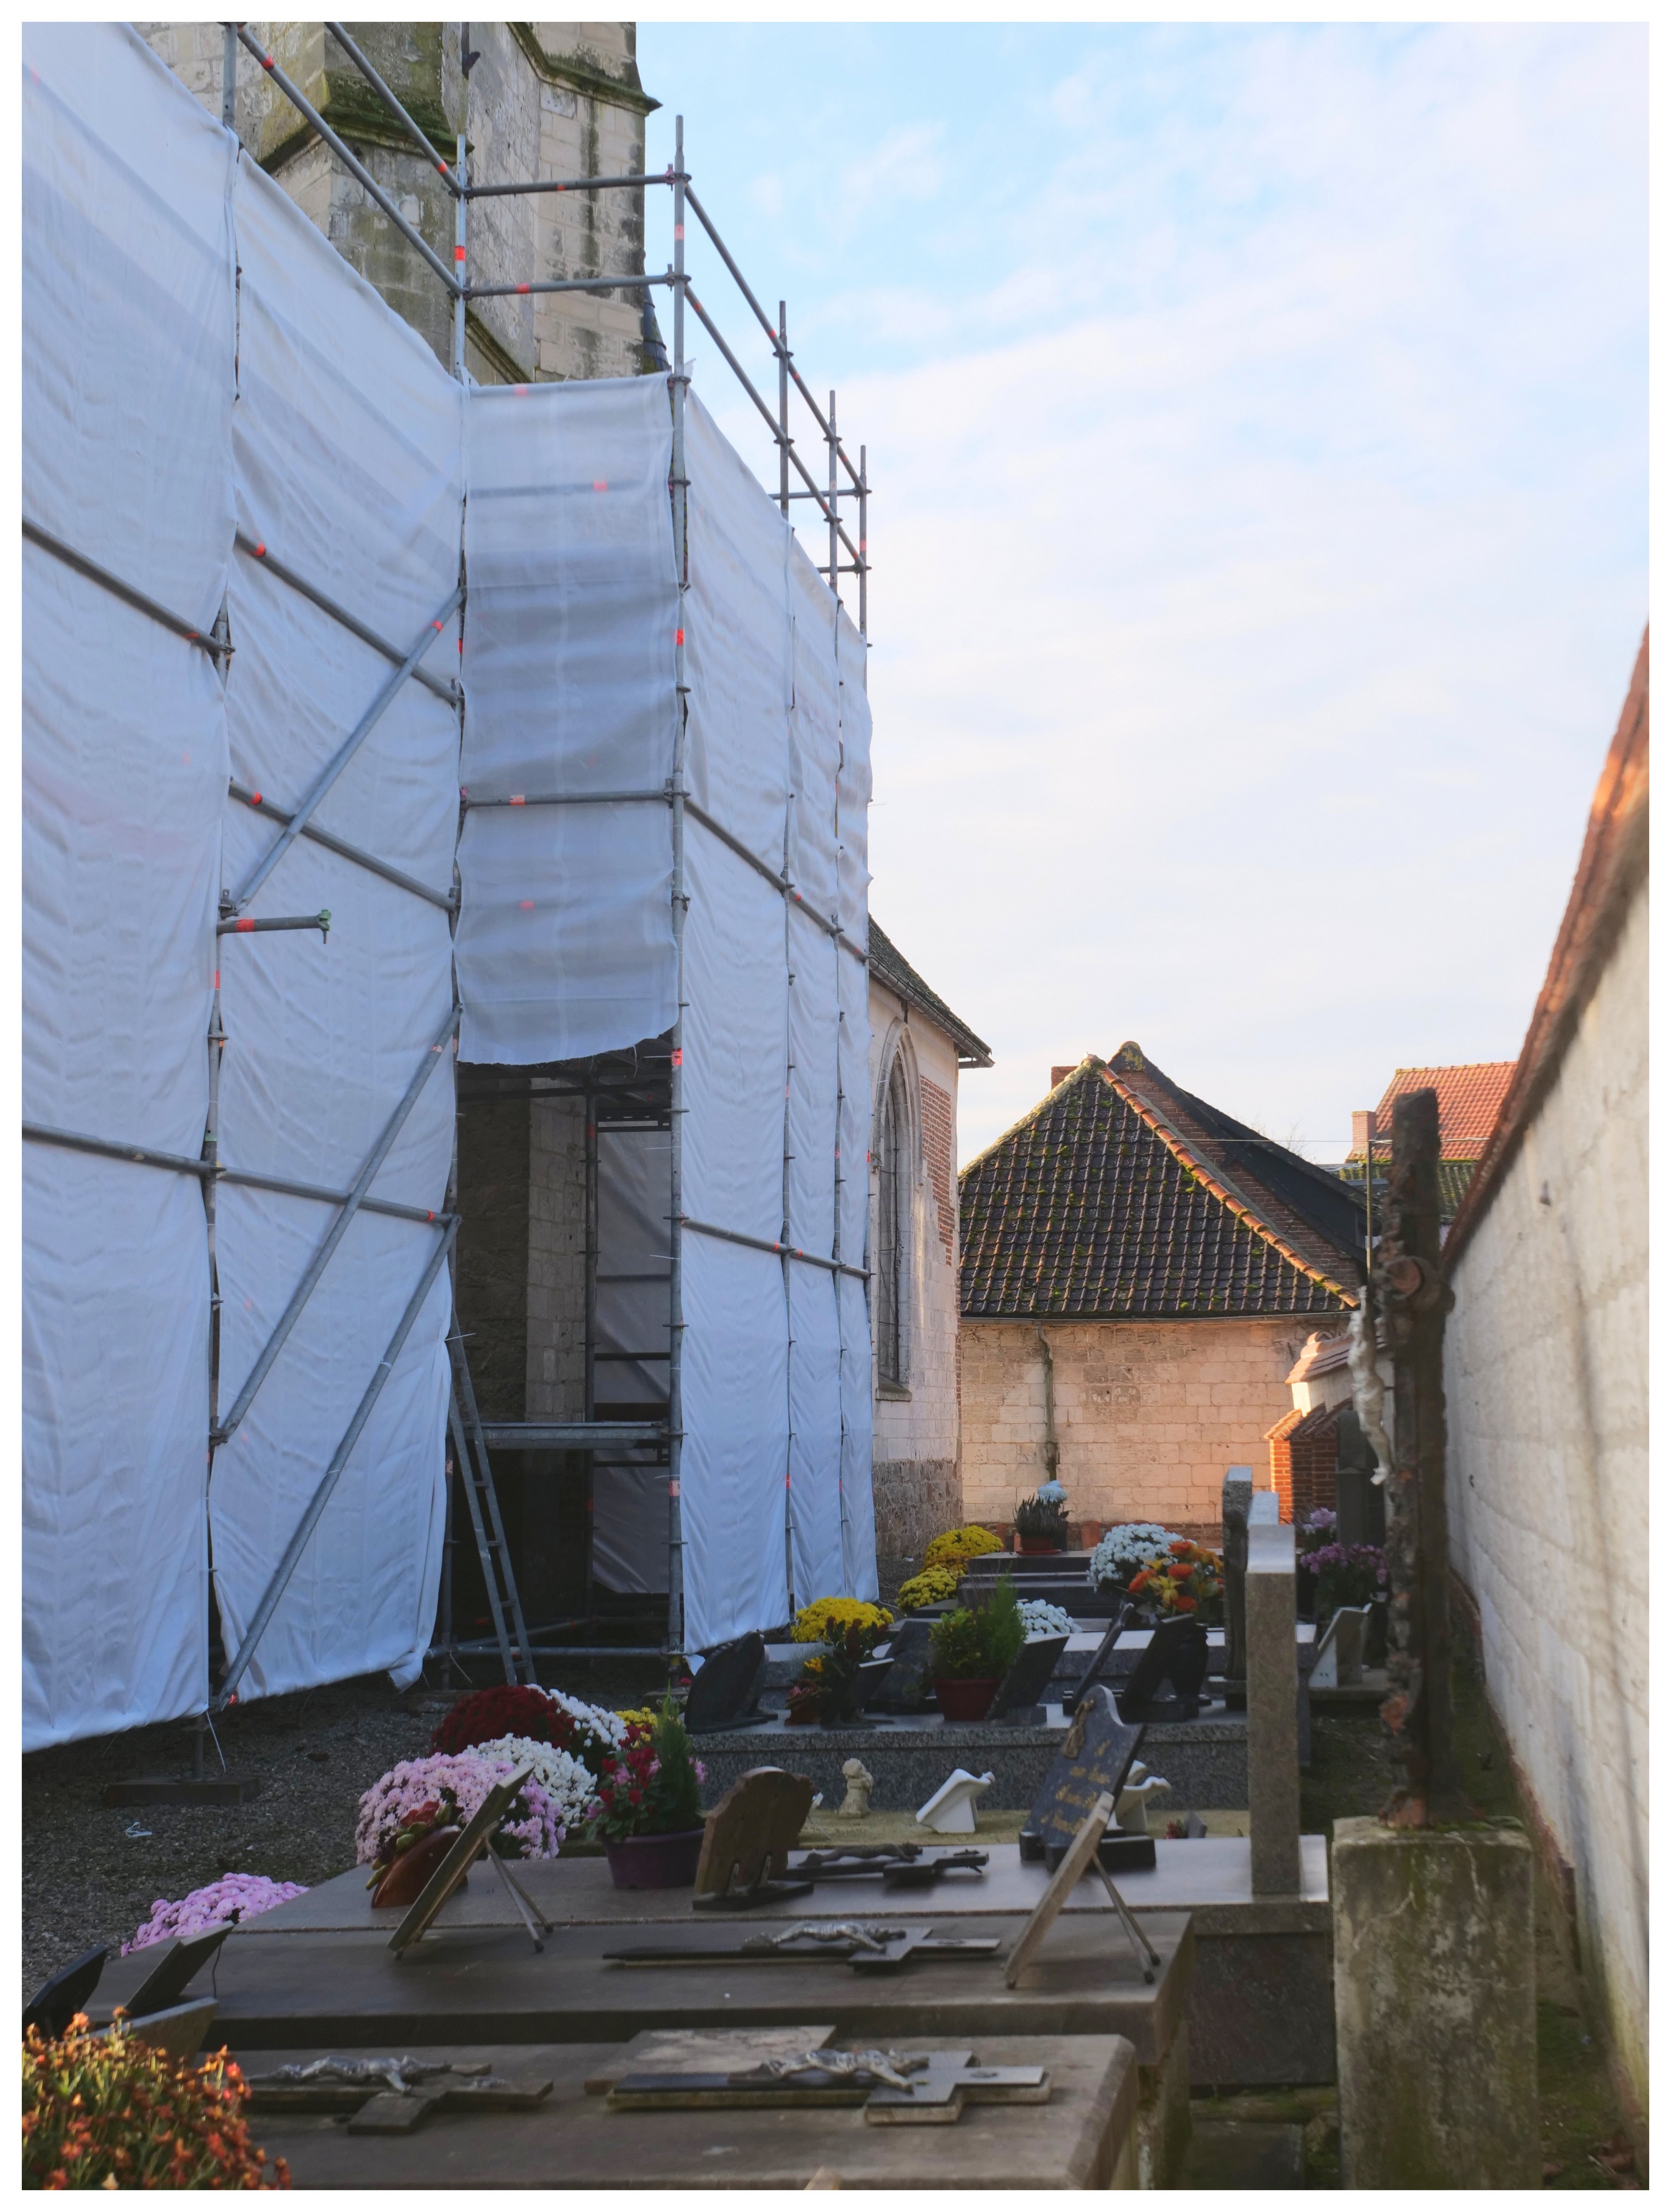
(92, 1872)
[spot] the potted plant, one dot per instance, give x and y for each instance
(1125, 1550)
(1186, 1578)
(830, 1683)
(1040, 1521)
(971, 1649)
(648, 1808)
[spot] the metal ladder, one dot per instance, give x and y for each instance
(470, 1446)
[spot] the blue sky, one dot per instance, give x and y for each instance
(1258, 423)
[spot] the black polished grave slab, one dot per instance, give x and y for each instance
(1016, 1699)
(721, 1693)
(1168, 1680)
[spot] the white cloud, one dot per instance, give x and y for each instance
(1247, 649)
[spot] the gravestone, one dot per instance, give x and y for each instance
(1094, 1761)
(1016, 1698)
(1274, 1694)
(748, 1837)
(1176, 1660)
(1339, 1661)
(1236, 1498)
(1100, 1658)
(909, 1686)
(56, 2002)
(721, 1693)
(1360, 1502)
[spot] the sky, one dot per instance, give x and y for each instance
(1257, 424)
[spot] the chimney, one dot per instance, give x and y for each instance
(1363, 1133)
(1060, 1074)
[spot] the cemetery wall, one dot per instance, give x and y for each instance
(915, 1465)
(1547, 1392)
(1149, 1414)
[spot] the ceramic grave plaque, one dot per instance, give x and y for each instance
(1093, 1763)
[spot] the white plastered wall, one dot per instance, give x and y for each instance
(1546, 1400)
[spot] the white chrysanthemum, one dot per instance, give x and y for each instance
(570, 1786)
(1123, 1551)
(1040, 1618)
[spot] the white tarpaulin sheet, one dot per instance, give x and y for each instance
(348, 453)
(565, 945)
(127, 395)
(566, 935)
(345, 454)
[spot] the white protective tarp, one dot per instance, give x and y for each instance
(348, 457)
(566, 936)
(128, 301)
(565, 946)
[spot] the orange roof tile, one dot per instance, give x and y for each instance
(1469, 1097)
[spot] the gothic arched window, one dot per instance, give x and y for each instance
(893, 1239)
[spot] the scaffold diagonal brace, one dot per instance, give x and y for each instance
(345, 752)
(321, 1498)
(337, 1231)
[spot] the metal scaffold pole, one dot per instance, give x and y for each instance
(680, 489)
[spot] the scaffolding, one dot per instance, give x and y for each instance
(651, 1088)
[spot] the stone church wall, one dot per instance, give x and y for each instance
(546, 99)
(915, 1467)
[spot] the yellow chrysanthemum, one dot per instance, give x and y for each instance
(931, 1586)
(814, 1622)
(965, 1544)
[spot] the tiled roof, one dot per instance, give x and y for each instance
(1455, 1176)
(1469, 1097)
(891, 967)
(1111, 1200)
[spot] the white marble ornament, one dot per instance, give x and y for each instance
(950, 1810)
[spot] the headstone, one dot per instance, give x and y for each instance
(1237, 1499)
(56, 2002)
(1273, 1693)
(176, 1963)
(721, 1695)
(1122, 1613)
(1176, 1660)
(748, 1837)
(1093, 1762)
(909, 1686)
(1016, 1698)
(1360, 1502)
(1375, 1634)
(1339, 1664)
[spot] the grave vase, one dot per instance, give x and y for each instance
(966, 1701)
(654, 1861)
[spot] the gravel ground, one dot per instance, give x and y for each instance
(92, 1872)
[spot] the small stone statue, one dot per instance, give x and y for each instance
(856, 1805)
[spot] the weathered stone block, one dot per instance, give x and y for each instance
(1436, 2010)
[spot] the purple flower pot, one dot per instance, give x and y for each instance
(654, 1861)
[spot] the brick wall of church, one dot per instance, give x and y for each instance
(1149, 1414)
